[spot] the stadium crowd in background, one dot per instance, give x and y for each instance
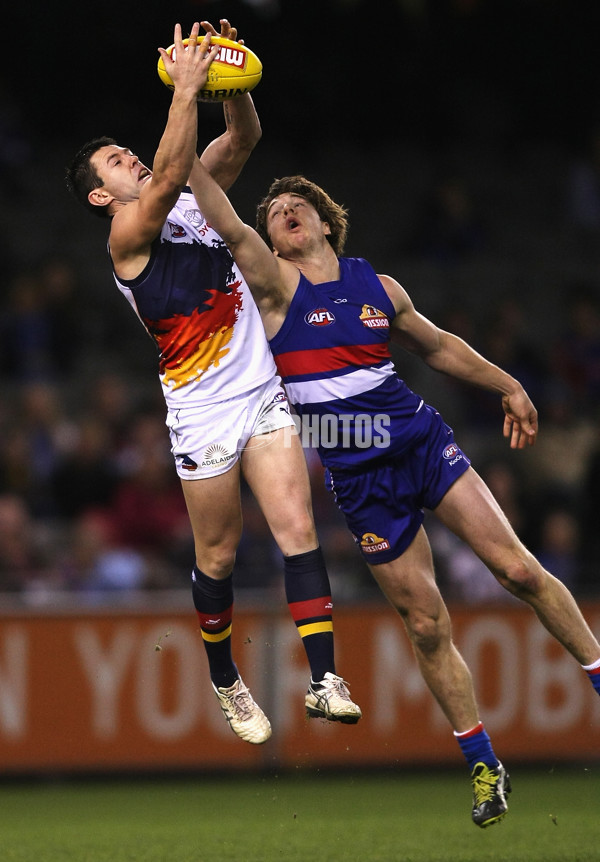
(74, 432)
(83, 445)
(74, 440)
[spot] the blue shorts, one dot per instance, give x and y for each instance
(383, 502)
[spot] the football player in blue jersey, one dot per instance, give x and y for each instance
(329, 321)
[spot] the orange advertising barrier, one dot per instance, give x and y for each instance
(120, 690)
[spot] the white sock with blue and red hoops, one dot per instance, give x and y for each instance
(593, 671)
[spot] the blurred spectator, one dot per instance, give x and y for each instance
(32, 444)
(449, 229)
(504, 338)
(588, 517)
(42, 323)
(95, 561)
(85, 477)
(559, 460)
(504, 479)
(25, 330)
(576, 354)
(583, 188)
(16, 149)
(68, 324)
(461, 574)
(26, 559)
(149, 508)
(559, 546)
(113, 399)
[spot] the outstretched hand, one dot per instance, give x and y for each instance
(227, 31)
(188, 65)
(521, 419)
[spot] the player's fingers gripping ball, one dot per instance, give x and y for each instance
(234, 71)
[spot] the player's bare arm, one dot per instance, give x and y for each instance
(271, 280)
(140, 214)
(226, 155)
(447, 353)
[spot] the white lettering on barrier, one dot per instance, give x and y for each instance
(485, 632)
(13, 682)
(105, 668)
(395, 663)
(186, 678)
(288, 678)
(550, 675)
(525, 676)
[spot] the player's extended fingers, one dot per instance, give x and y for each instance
(208, 50)
(518, 438)
(208, 28)
(193, 37)
(177, 36)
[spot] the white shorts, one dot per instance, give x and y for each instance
(207, 441)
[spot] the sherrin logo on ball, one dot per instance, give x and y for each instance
(234, 71)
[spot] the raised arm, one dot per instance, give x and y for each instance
(268, 277)
(450, 355)
(226, 155)
(139, 216)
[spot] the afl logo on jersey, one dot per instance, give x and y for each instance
(451, 451)
(319, 317)
(372, 318)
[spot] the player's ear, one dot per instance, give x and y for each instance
(326, 228)
(100, 197)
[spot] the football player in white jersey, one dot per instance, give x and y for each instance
(227, 412)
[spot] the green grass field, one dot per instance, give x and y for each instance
(350, 817)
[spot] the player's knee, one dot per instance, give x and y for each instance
(426, 634)
(216, 561)
(523, 576)
(296, 534)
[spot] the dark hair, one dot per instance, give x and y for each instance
(335, 215)
(81, 178)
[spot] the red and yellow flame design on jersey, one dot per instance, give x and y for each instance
(191, 345)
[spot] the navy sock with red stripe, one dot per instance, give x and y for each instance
(309, 599)
(476, 746)
(213, 600)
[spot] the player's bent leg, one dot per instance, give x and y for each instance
(215, 513)
(470, 510)
(275, 469)
(214, 507)
(409, 585)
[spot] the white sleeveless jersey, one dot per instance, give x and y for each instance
(196, 306)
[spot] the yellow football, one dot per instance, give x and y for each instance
(234, 71)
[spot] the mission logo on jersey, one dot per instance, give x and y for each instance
(371, 543)
(372, 318)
